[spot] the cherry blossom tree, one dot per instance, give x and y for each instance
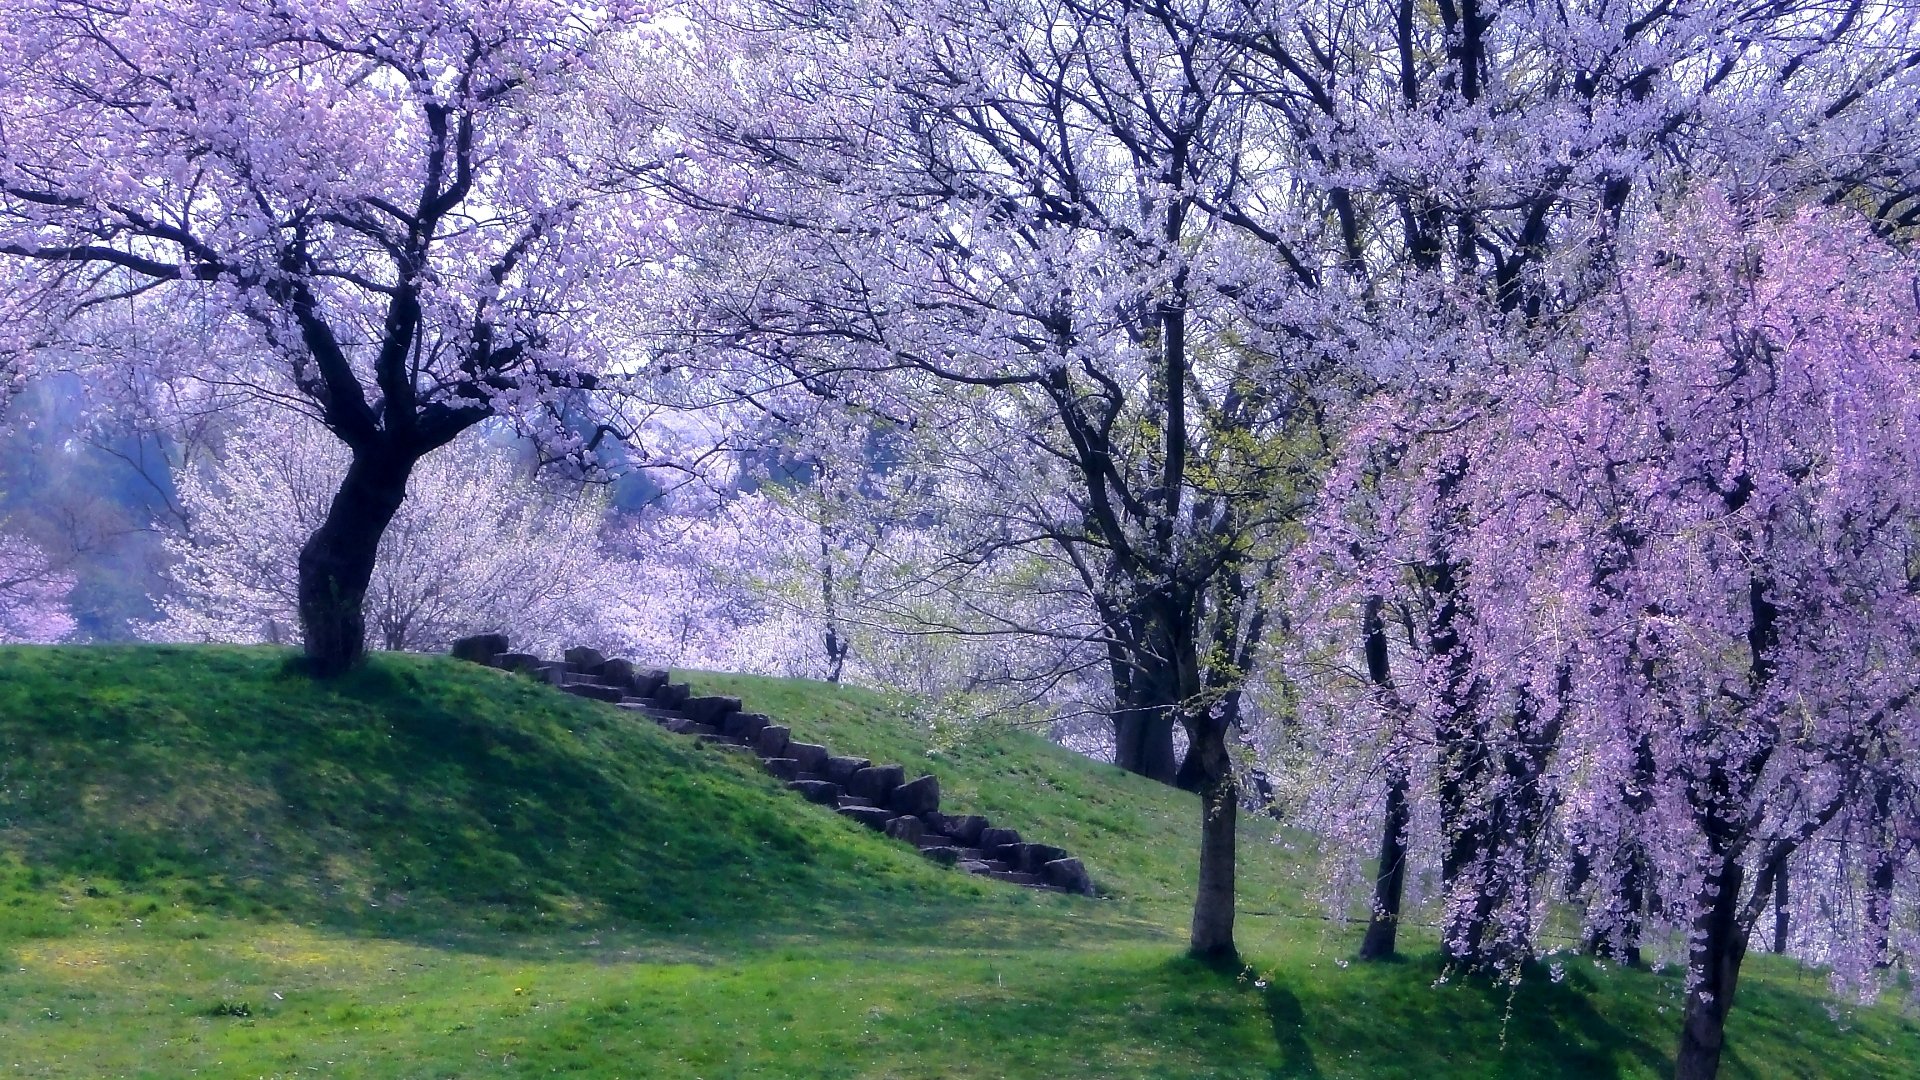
(33, 594)
(371, 206)
(1737, 470)
(1681, 577)
(478, 547)
(1473, 155)
(949, 220)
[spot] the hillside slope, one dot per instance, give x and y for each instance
(433, 870)
(416, 793)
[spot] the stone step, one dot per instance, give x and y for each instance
(945, 856)
(649, 706)
(1015, 876)
(595, 691)
(813, 758)
(871, 816)
(824, 792)
(839, 769)
(878, 796)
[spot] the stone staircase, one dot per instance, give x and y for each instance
(880, 797)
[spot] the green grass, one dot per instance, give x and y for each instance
(211, 867)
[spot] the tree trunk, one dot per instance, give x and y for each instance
(1193, 774)
(1213, 902)
(1390, 880)
(1782, 914)
(1143, 741)
(1719, 946)
(1464, 818)
(336, 562)
(1635, 888)
(1880, 882)
(836, 646)
(1883, 860)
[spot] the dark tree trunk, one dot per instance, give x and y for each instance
(1782, 913)
(1144, 697)
(1629, 858)
(336, 562)
(1622, 945)
(1213, 902)
(1880, 881)
(1495, 806)
(1192, 774)
(1463, 855)
(1143, 742)
(1634, 886)
(1390, 881)
(1719, 946)
(1883, 860)
(837, 647)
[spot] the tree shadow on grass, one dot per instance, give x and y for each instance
(1289, 1022)
(1397, 1019)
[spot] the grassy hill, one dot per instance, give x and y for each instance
(209, 866)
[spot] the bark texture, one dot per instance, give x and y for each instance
(1213, 903)
(336, 562)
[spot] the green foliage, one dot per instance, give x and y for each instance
(432, 870)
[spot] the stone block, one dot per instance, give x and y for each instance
(744, 725)
(517, 661)
(772, 741)
(783, 767)
(871, 816)
(617, 672)
(1032, 857)
(841, 769)
(992, 839)
(944, 855)
(595, 691)
(648, 682)
(584, 660)
(480, 648)
(710, 708)
(908, 829)
(816, 791)
(919, 796)
(1068, 874)
(878, 781)
(1016, 877)
(813, 758)
(554, 672)
(966, 828)
(672, 694)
